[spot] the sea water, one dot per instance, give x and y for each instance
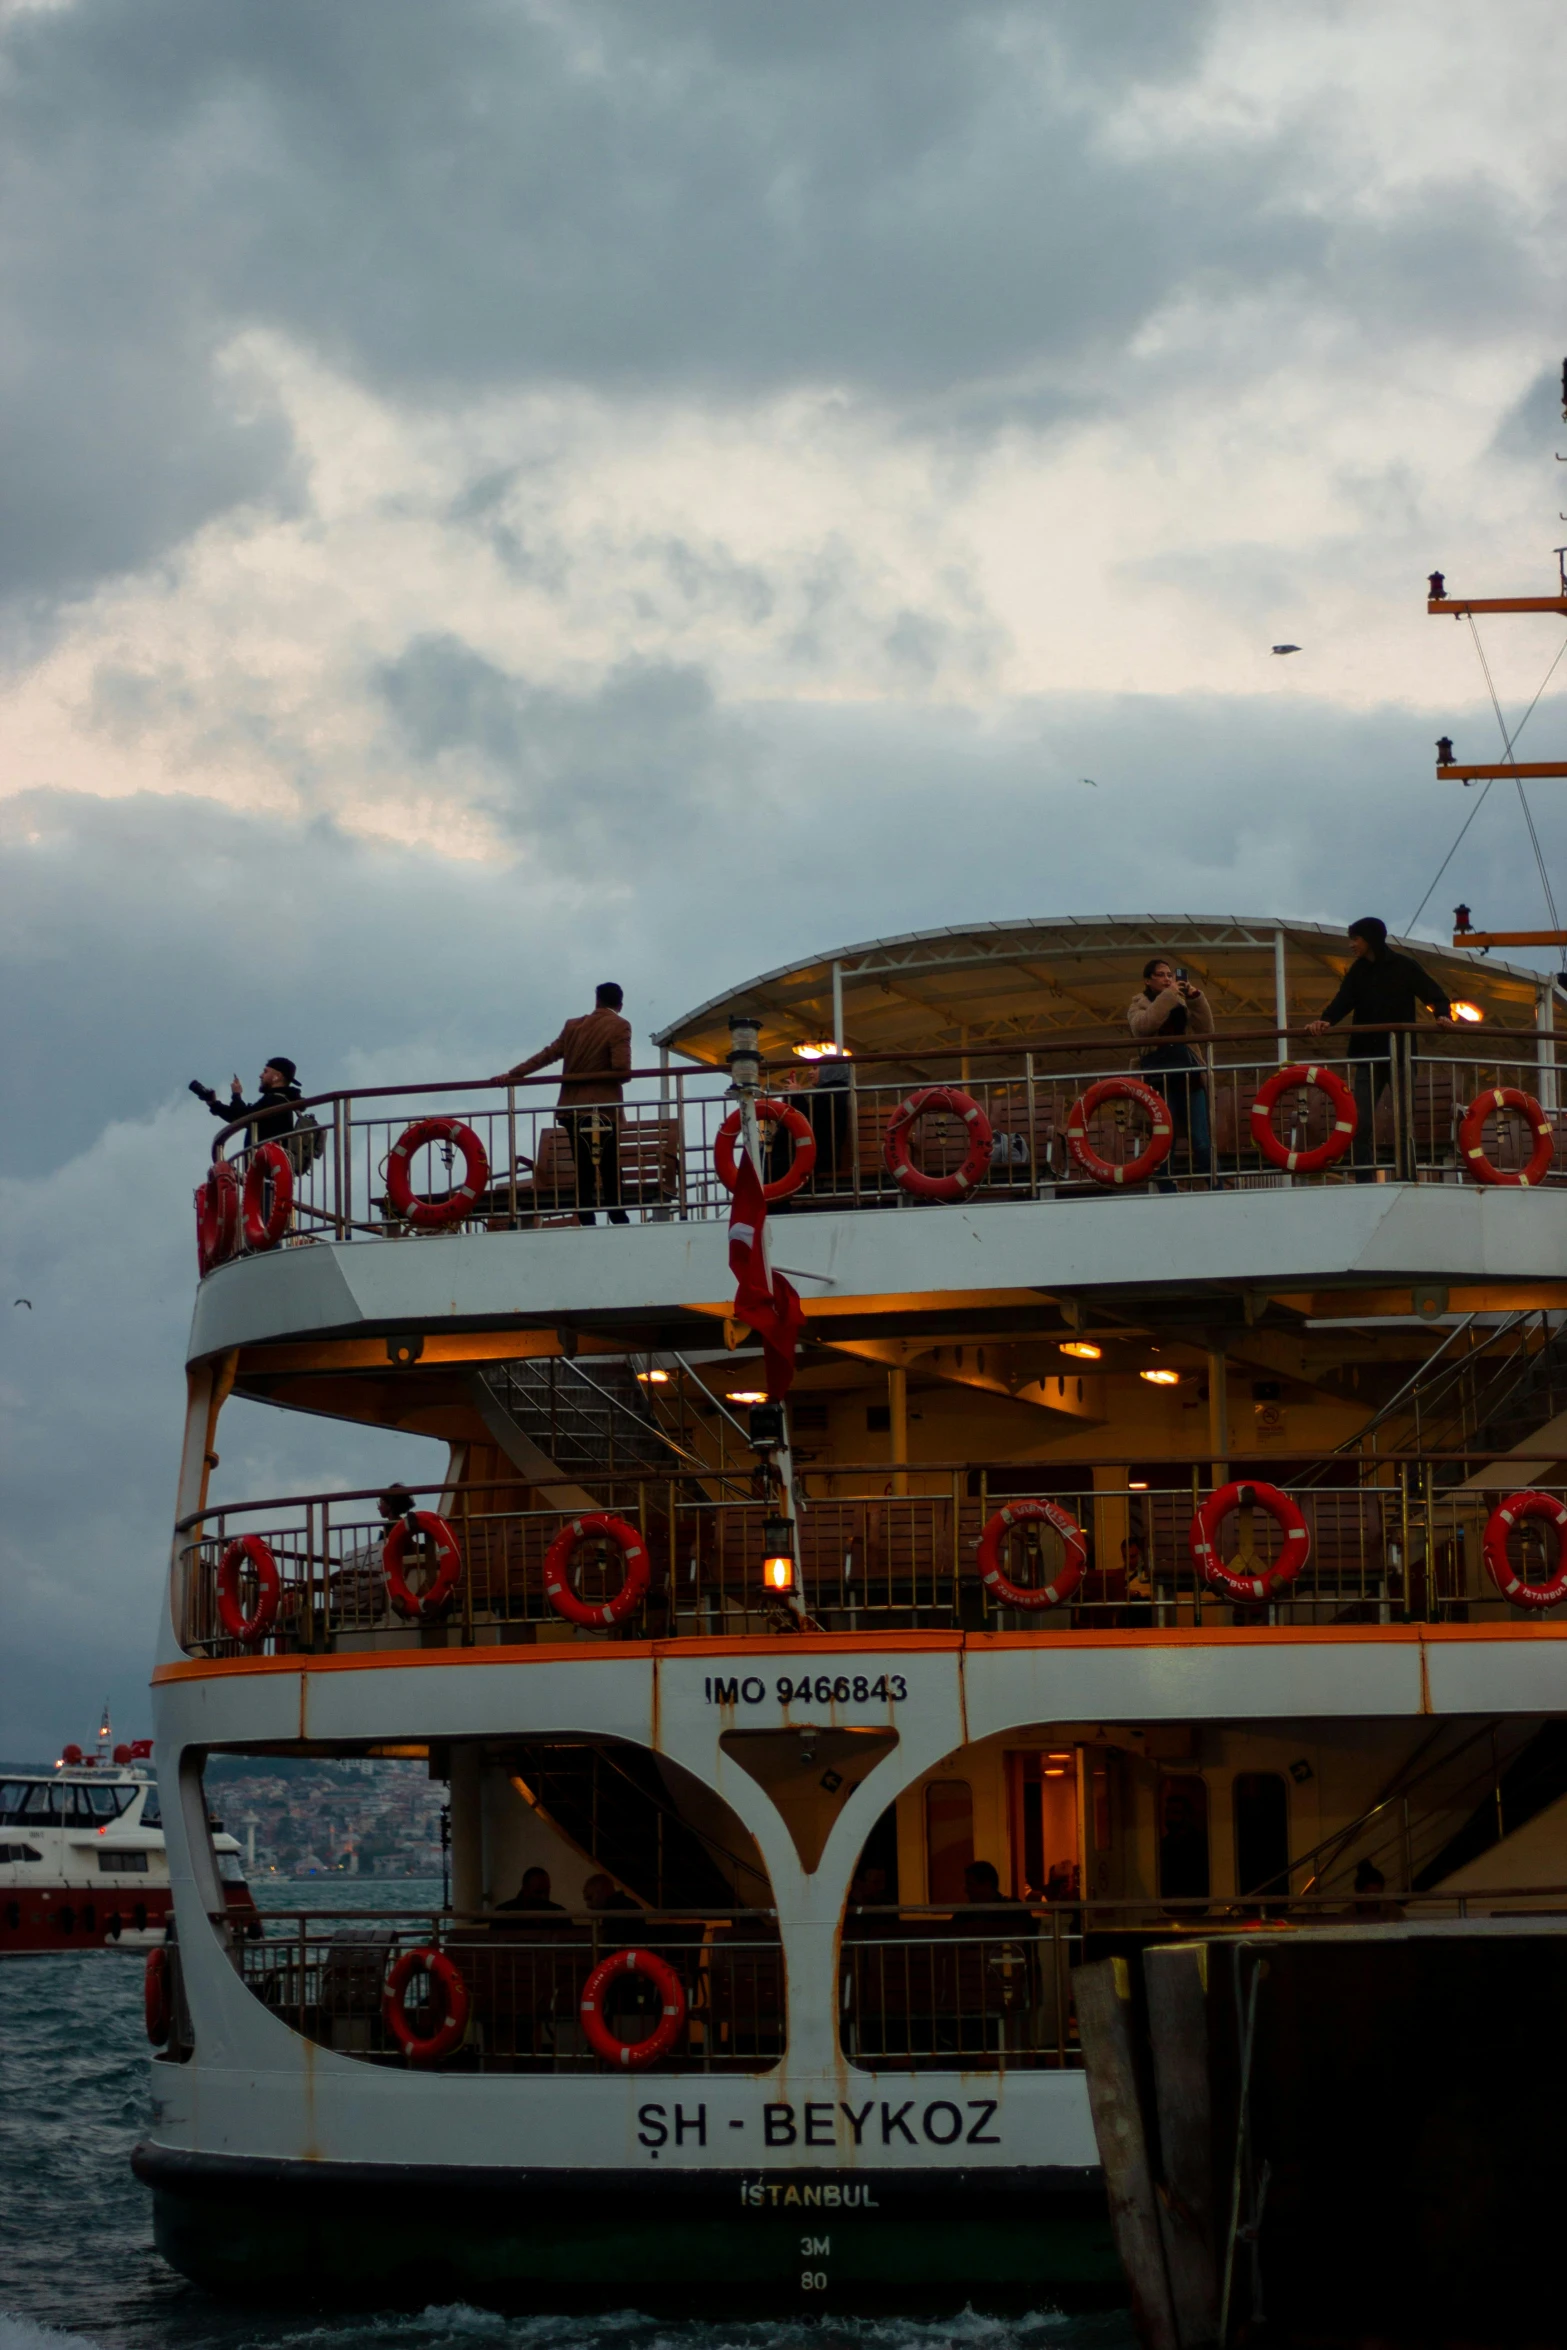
(77, 2266)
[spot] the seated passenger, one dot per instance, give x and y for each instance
(601, 1893)
(271, 1113)
(1168, 1009)
(982, 1887)
(534, 1895)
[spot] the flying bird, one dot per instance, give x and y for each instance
(1286, 648)
(21, 1301)
(1088, 779)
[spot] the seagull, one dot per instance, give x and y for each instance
(1088, 779)
(1286, 648)
(21, 1301)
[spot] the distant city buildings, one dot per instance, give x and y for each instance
(370, 1818)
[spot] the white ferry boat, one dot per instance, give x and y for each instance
(83, 1864)
(1162, 1530)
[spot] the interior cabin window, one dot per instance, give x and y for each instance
(123, 1864)
(1043, 1792)
(1262, 1833)
(1183, 1838)
(151, 1810)
(949, 1839)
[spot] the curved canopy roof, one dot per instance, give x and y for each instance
(933, 993)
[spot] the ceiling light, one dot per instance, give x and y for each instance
(1083, 1348)
(654, 1378)
(1059, 1754)
(826, 1051)
(1137, 1485)
(1467, 1012)
(1161, 1378)
(747, 1395)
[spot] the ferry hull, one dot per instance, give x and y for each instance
(409, 2234)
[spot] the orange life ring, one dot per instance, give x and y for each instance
(782, 1114)
(1120, 1089)
(976, 1164)
(217, 1216)
(632, 2055)
(269, 1160)
(448, 1565)
(558, 1587)
(1321, 1154)
(1471, 1135)
(247, 1629)
(429, 1214)
(157, 1998)
(987, 1555)
(1204, 1541)
(426, 2048)
(1500, 1567)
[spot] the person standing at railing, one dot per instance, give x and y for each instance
(1380, 985)
(1168, 1009)
(271, 1114)
(594, 1051)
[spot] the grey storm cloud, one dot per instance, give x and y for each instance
(907, 198)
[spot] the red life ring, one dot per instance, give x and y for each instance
(267, 1160)
(783, 1114)
(1120, 1089)
(453, 1995)
(448, 1565)
(217, 1216)
(1204, 1541)
(1500, 1567)
(895, 1150)
(632, 2055)
(429, 1214)
(987, 1556)
(157, 1998)
(248, 1629)
(1471, 1135)
(558, 1588)
(1322, 1154)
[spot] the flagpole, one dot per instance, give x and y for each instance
(745, 1085)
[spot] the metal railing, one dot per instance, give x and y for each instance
(1392, 1539)
(325, 1973)
(652, 1159)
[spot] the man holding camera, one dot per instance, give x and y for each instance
(1167, 1009)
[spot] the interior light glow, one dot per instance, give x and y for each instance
(653, 1378)
(825, 1051)
(1467, 1012)
(747, 1394)
(1137, 1485)
(1161, 1378)
(1083, 1348)
(1055, 1771)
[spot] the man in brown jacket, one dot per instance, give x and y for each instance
(594, 1052)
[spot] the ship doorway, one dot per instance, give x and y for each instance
(1043, 1811)
(1262, 1833)
(1183, 1838)
(949, 1840)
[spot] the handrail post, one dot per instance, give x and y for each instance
(1033, 1152)
(511, 1150)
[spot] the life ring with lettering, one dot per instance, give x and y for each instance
(451, 1994)
(987, 1555)
(248, 1629)
(1120, 1089)
(217, 1216)
(428, 1215)
(1502, 1572)
(1321, 1154)
(448, 1564)
(1471, 1135)
(896, 1148)
(794, 1122)
(559, 1589)
(632, 2055)
(1204, 1541)
(157, 1996)
(265, 1227)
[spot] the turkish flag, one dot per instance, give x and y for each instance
(771, 1309)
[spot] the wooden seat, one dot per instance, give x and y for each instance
(649, 1154)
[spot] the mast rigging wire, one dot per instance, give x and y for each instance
(1480, 802)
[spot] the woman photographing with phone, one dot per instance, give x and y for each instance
(1167, 1010)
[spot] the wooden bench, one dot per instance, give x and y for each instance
(649, 1154)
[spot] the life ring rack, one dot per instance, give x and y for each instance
(1143, 1097)
(896, 1150)
(633, 2055)
(1204, 1541)
(1034, 1511)
(445, 1977)
(1506, 1515)
(559, 1590)
(795, 1124)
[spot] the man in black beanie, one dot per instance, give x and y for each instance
(1380, 985)
(271, 1113)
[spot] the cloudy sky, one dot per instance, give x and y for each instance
(495, 493)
